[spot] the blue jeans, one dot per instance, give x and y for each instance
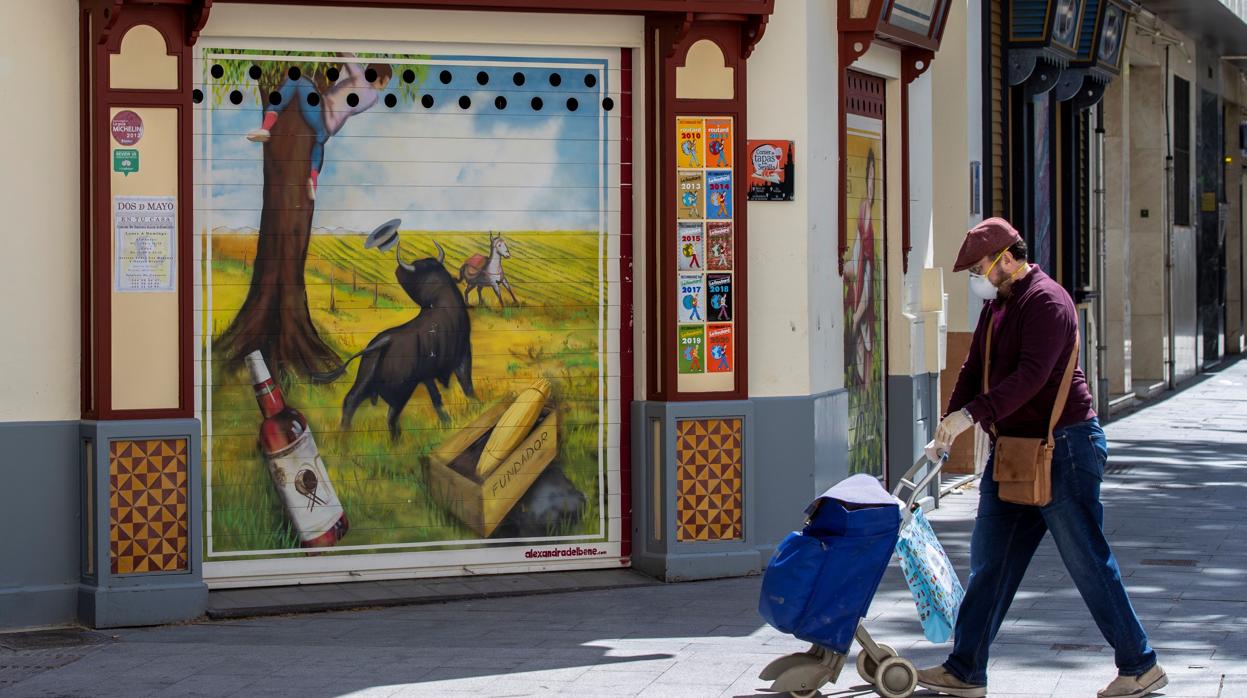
(1006, 536)
(297, 91)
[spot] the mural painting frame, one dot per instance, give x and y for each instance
(610, 543)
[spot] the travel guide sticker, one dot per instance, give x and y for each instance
(718, 142)
(719, 246)
(719, 291)
(691, 247)
(690, 146)
(719, 348)
(692, 305)
(690, 204)
(692, 348)
(719, 194)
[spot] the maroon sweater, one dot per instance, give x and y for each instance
(1032, 338)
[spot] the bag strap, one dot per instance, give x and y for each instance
(1062, 394)
(1067, 380)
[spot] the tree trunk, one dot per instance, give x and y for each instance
(275, 318)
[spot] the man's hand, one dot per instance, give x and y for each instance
(951, 427)
(934, 452)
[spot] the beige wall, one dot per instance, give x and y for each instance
(950, 149)
(39, 278)
(1117, 203)
(780, 292)
(1148, 322)
(818, 158)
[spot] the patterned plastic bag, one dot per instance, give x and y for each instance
(931, 578)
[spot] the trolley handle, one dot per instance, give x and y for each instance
(913, 486)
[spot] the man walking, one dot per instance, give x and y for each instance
(1034, 327)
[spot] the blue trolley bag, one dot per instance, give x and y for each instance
(820, 581)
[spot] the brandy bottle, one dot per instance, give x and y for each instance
(294, 462)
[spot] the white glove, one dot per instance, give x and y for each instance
(934, 452)
(951, 427)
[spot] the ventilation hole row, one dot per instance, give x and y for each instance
(408, 76)
(391, 101)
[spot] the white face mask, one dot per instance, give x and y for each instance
(981, 287)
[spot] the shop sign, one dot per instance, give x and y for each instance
(146, 243)
(126, 160)
(770, 170)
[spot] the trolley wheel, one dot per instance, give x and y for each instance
(896, 678)
(867, 668)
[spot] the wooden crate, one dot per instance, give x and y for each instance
(483, 504)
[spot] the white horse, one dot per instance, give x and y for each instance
(480, 271)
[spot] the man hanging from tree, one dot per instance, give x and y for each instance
(325, 114)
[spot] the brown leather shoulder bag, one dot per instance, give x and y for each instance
(1023, 466)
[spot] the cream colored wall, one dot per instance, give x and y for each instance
(951, 157)
(144, 62)
(39, 274)
(145, 325)
(529, 28)
(1117, 203)
(1149, 321)
(818, 158)
(780, 291)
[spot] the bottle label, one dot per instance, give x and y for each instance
(303, 483)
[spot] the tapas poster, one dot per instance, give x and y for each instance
(691, 204)
(770, 170)
(719, 246)
(719, 348)
(692, 246)
(692, 347)
(692, 307)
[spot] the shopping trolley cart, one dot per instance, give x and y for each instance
(835, 564)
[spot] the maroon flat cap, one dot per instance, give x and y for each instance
(988, 238)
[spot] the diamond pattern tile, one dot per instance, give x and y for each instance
(709, 480)
(148, 511)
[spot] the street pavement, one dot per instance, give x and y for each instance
(1177, 471)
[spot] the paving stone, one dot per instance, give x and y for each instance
(1180, 500)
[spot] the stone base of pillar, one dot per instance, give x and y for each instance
(142, 561)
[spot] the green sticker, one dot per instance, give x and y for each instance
(126, 160)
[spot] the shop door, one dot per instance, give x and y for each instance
(865, 283)
(423, 250)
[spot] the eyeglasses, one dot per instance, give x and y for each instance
(975, 269)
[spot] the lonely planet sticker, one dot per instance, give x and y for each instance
(127, 127)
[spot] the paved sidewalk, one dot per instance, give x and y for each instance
(1174, 500)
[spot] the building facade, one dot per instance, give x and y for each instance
(436, 288)
(1106, 134)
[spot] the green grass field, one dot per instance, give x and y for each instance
(352, 296)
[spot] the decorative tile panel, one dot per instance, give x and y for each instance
(148, 510)
(709, 480)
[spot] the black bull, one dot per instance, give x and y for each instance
(424, 350)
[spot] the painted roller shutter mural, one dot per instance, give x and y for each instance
(420, 250)
(865, 274)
